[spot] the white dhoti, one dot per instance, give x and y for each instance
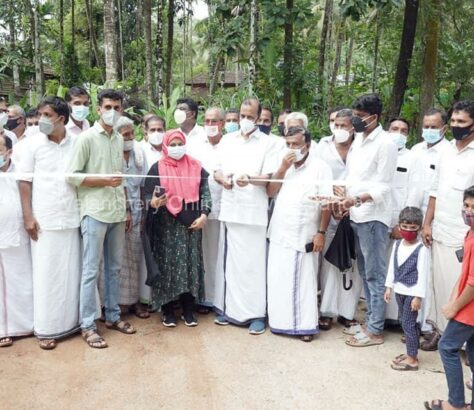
(56, 282)
(292, 291)
(16, 291)
(210, 250)
(240, 292)
(391, 311)
(340, 291)
(446, 272)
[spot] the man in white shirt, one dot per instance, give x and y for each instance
(454, 174)
(265, 122)
(340, 291)
(16, 282)
(154, 128)
(281, 121)
(371, 168)
(16, 123)
(186, 117)
(429, 151)
(297, 235)
(231, 120)
(211, 233)
(51, 216)
(78, 100)
(247, 161)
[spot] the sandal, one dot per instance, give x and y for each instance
(352, 330)
(121, 326)
(92, 338)
(307, 338)
(47, 344)
(403, 367)
(325, 323)
(438, 405)
(139, 312)
(346, 322)
(6, 341)
(362, 340)
(399, 358)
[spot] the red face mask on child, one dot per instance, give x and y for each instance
(408, 235)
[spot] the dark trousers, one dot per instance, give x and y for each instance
(409, 324)
(454, 337)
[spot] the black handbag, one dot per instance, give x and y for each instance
(341, 251)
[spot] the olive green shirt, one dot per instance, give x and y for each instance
(96, 152)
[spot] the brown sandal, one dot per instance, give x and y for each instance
(47, 344)
(92, 338)
(325, 323)
(6, 341)
(121, 326)
(307, 338)
(139, 312)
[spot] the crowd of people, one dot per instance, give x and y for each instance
(263, 229)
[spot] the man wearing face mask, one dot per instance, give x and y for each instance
(214, 126)
(152, 143)
(332, 112)
(296, 120)
(444, 229)
(104, 215)
(16, 282)
(247, 156)
(16, 123)
(78, 100)
(231, 120)
(51, 216)
(297, 221)
(429, 151)
(281, 121)
(265, 121)
(370, 172)
(340, 292)
(186, 117)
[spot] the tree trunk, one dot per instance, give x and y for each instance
(404, 58)
(110, 43)
(288, 56)
(185, 44)
(120, 61)
(38, 58)
(159, 52)
(350, 50)
(61, 41)
(139, 19)
(169, 48)
(73, 31)
(322, 48)
(378, 33)
(148, 49)
(15, 69)
(430, 57)
(337, 63)
(215, 74)
(90, 23)
(253, 46)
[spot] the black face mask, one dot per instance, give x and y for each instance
(359, 124)
(265, 128)
(460, 133)
(12, 123)
(281, 129)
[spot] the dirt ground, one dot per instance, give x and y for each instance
(213, 367)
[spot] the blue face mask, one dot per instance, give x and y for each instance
(265, 128)
(231, 127)
(2, 161)
(431, 136)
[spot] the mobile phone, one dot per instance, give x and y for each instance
(158, 191)
(460, 254)
(309, 247)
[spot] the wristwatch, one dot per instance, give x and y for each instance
(321, 232)
(358, 201)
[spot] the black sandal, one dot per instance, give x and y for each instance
(325, 323)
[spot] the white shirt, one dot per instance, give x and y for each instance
(296, 217)
(455, 173)
(152, 155)
(54, 201)
(241, 156)
(423, 266)
(370, 169)
(11, 135)
(428, 160)
(73, 129)
(210, 161)
(328, 153)
(405, 186)
(21, 145)
(11, 217)
(195, 140)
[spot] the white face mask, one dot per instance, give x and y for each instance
(341, 135)
(180, 116)
(399, 140)
(247, 125)
(34, 129)
(3, 119)
(110, 117)
(46, 126)
(177, 152)
(128, 145)
(79, 112)
(298, 152)
(156, 138)
(332, 127)
(211, 130)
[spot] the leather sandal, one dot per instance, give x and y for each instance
(432, 344)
